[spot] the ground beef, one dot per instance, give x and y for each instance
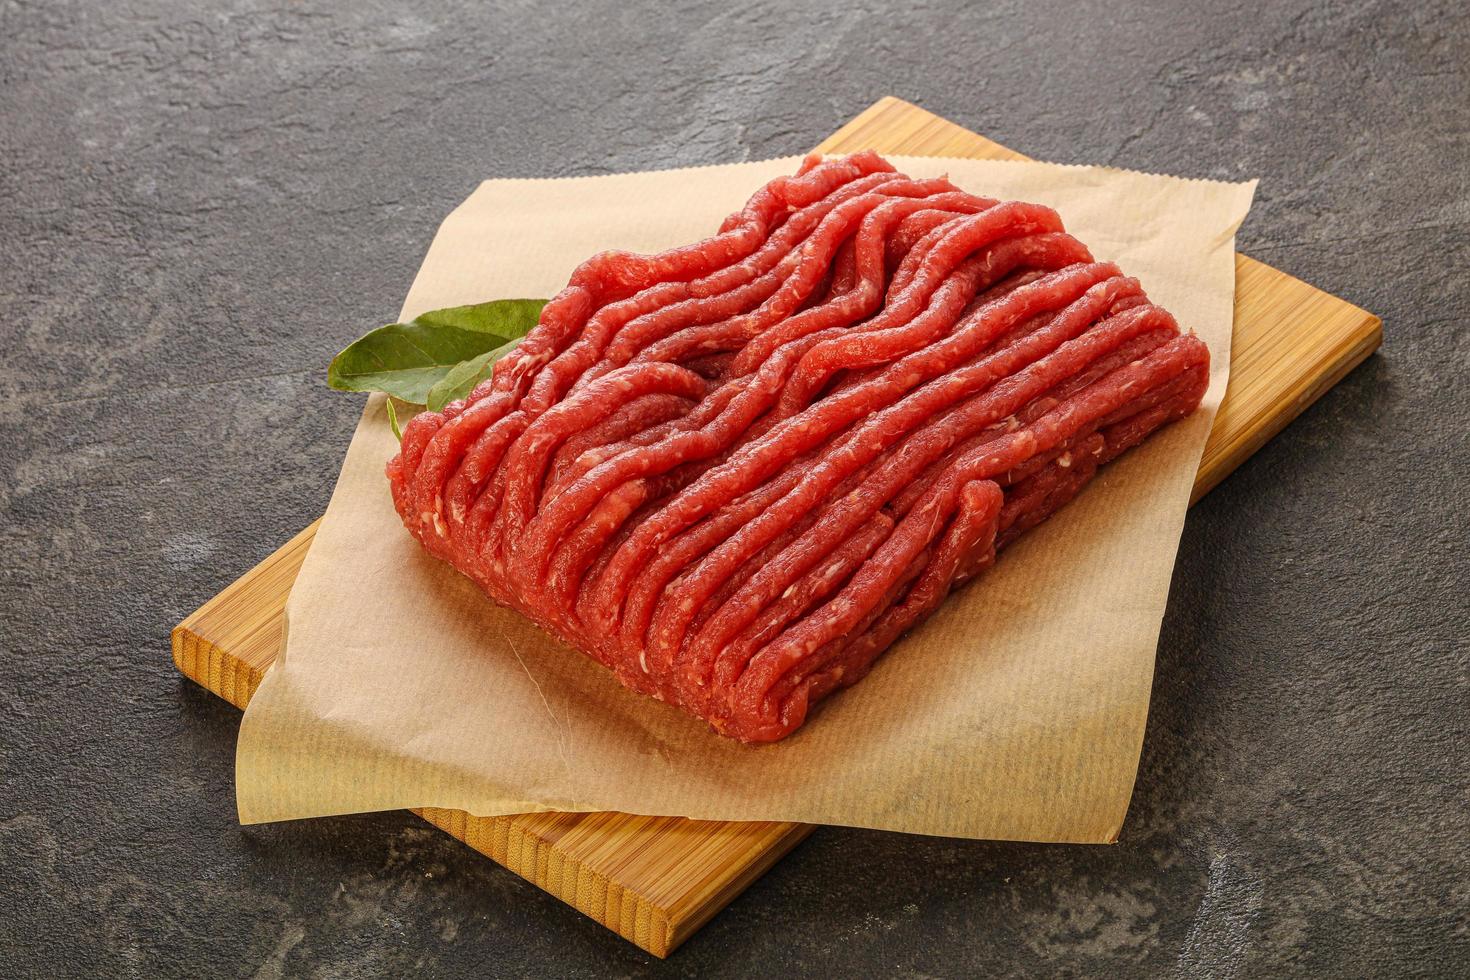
(736, 472)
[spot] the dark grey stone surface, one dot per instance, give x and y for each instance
(199, 204)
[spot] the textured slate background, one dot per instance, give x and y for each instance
(198, 207)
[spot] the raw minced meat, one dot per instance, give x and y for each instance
(738, 471)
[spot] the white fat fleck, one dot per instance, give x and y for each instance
(1065, 460)
(643, 660)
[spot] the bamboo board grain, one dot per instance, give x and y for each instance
(655, 880)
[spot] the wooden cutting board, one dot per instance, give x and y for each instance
(655, 880)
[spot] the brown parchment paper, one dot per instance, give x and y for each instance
(1017, 712)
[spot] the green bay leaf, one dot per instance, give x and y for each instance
(406, 360)
(461, 379)
(393, 419)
